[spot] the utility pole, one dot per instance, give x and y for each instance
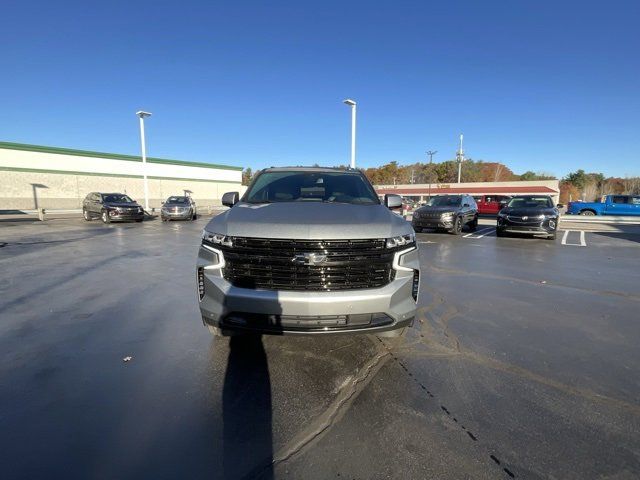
(412, 180)
(431, 153)
(352, 104)
(143, 146)
(460, 158)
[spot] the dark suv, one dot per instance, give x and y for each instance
(447, 212)
(111, 207)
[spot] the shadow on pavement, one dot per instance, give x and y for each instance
(628, 233)
(246, 410)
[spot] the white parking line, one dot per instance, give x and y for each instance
(583, 241)
(486, 230)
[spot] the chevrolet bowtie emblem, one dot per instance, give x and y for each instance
(309, 259)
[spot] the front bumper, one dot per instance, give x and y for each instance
(437, 222)
(126, 217)
(315, 312)
(176, 215)
(547, 226)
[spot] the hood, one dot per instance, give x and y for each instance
(121, 204)
(430, 209)
(309, 221)
(531, 212)
(167, 204)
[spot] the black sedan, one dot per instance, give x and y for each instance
(531, 214)
(178, 208)
(111, 207)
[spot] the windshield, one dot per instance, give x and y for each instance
(298, 186)
(116, 198)
(182, 200)
(445, 202)
(530, 202)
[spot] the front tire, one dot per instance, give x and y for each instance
(105, 217)
(86, 215)
(473, 225)
(457, 227)
(587, 213)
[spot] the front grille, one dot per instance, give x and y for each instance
(530, 220)
(429, 215)
(276, 264)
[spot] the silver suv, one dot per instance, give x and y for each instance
(308, 251)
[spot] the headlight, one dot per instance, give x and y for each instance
(447, 214)
(401, 241)
(216, 239)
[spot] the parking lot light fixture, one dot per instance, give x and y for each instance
(352, 104)
(141, 115)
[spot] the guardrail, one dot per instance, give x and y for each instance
(604, 219)
(42, 213)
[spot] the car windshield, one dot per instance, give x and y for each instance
(116, 198)
(311, 186)
(530, 202)
(181, 200)
(445, 202)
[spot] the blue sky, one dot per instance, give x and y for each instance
(546, 86)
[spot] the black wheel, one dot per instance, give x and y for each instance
(457, 227)
(138, 220)
(588, 213)
(86, 215)
(105, 217)
(473, 225)
(195, 217)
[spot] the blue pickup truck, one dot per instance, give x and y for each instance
(610, 205)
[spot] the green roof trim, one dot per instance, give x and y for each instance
(113, 156)
(94, 174)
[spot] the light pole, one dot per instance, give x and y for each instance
(141, 114)
(460, 159)
(352, 104)
(431, 154)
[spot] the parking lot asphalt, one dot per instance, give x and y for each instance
(523, 363)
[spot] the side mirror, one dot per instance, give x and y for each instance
(560, 205)
(229, 199)
(161, 203)
(392, 201)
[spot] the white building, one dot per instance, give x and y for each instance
(33, 176)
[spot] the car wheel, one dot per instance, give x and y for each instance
(587, 213)
(195, 217)
(138, 220)
(105, 217)
(473, 225)
(86, 215)
(457, 227)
